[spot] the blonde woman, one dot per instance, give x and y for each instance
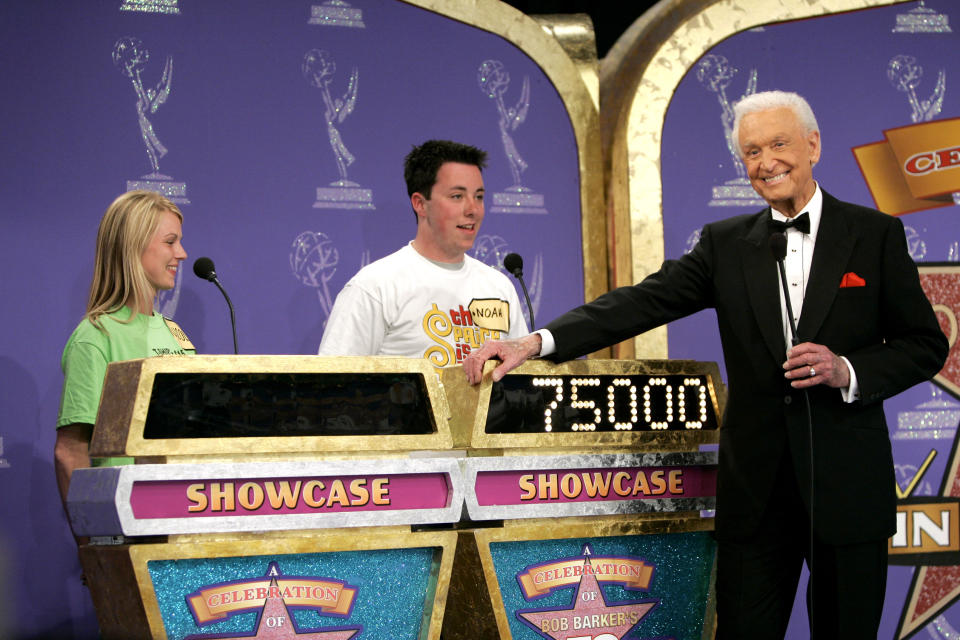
(137, 255)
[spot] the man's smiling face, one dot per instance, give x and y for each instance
(779, 156)
(449, 220)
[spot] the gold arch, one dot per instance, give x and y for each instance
(637, 81)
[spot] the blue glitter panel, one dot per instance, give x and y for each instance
(681, 580)
(395, 590)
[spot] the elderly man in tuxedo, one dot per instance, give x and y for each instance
(865, 331)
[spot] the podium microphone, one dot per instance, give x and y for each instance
(513, 263)
(203, 268)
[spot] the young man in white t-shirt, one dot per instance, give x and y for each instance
(430, 299)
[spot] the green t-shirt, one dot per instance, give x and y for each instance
(88, 352)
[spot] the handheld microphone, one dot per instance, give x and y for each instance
(513, 263)
(204, 269)
(778, 248)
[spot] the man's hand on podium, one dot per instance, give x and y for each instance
(511, 353)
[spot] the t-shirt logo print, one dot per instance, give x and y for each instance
(457, 332)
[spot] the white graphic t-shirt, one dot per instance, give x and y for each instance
(407, 305)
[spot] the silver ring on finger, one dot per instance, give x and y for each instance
(813, 372)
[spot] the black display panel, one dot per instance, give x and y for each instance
(605, 402)
(235, 405)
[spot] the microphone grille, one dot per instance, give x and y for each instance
(778, 245)
(512, 262)
(203, 268)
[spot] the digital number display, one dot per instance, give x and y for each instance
(591, 403)
(222, 405)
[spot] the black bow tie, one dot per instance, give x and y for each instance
(800, 223)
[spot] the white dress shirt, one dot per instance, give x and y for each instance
(797, 267)
(797, 262)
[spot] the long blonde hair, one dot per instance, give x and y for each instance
(125, 231)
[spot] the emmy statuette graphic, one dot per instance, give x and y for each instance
(168, 7)
(167, 299)
(336, 13)
(314, 259)
(935, 419)
(905, 73)
(130, 57)
(922, 20)
(318, 70)
(692, 239)
(915, 244)
(715, 73)
(494, 82)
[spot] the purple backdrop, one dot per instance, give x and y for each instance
(249, 146)
(840, 64)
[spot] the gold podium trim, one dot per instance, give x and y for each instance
(128, 386)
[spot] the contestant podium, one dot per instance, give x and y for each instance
(276, 499)
(595, 470)
(299, 496)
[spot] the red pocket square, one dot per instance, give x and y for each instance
(852, 280)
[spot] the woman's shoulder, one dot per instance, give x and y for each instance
(86, 343)
(87, 331)
(98, 331)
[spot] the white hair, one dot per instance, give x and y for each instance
(774, 100)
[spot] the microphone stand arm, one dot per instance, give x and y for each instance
(233, 319)
(519, 274)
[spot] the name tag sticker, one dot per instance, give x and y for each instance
(179, 334)
(490, 313)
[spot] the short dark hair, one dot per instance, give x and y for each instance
(421, 165)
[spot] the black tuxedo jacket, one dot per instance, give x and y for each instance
(887, 329)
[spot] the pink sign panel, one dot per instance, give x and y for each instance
(543, 486)
(221, 497)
